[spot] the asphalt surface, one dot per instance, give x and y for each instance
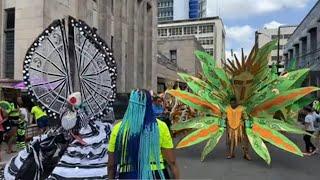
(284, 166)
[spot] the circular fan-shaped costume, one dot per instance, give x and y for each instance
(59, 63)
(69, 65)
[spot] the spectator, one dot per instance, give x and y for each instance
(160, 111)
(40, 117)
(157, 106)
(23, 110)
(316, 127)
(138, 144)
(309, 127)
(3, 118)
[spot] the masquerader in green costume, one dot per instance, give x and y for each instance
(249, 80)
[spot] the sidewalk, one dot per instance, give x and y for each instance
(5, 156)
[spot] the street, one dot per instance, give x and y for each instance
(283, 165)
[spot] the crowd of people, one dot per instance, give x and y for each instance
(14, 120)
(153, 123)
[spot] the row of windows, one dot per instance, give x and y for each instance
(165, 13)
(165, 4)
(186, 30)
(165, 18)
(285, 36)
(209, 51)
(206, 40)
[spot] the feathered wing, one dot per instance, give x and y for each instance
(276, 138)
(196, 102)
(212, 142)
(198, 136)
(258, 145)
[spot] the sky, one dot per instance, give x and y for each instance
(242, 18)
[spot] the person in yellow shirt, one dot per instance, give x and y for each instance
(140, 144)
(40, 117)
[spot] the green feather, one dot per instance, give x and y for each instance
(279, 125)
(258, 145)
(211, 144)
(196, 123)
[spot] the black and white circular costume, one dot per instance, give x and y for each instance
(68, 57)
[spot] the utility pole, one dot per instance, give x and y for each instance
(278, 50)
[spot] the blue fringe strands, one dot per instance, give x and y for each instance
(137, 142)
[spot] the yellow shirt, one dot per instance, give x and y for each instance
(165, 139)
(38, 112)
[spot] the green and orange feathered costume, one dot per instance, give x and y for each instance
(259, 95)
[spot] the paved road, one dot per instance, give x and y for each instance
(284, 166)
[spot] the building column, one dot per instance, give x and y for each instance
(130, 67)
(145, 42)
(1, 34)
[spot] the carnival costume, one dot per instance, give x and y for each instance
(70, 71)
(259, 95)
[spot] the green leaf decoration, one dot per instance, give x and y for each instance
(196, 102)
(202, 89)
(281, 84)
(206, 58)
(282, 100)
(292, 65)
(198, 136)
(258, 145)
(211, 144)
(279, 125)
(264, 52)
(196, 123)
(276, 138)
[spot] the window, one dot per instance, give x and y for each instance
(190, 30)
(173, 56)
(112, 6)
(9, 44)
(208, 28)
(209, 51)
(175, 31)
(111, 44)
(286, 36)
(162, 32)
(274, 37)
(206, 40)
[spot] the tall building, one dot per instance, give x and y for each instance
(304, 46)
(165, 10)
(208, 31)
(265, 35)
(197, 8)
(176, 54)
(169, 10)
(128, 27)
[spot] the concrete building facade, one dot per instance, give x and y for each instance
(208, 31)
(176, 54)
(304, 45)
(128, 26)
(267, 35)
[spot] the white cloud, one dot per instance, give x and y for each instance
(272, 25)
(235, 9)
(239, 37)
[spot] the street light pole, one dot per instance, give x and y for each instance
(278, 51)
